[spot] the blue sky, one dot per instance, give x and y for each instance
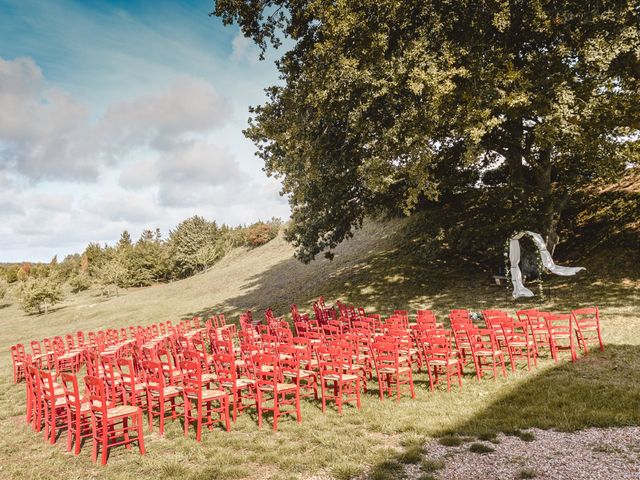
(124, 115)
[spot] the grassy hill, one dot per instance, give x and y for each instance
(382, 268)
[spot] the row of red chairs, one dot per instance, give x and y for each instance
(267, 367)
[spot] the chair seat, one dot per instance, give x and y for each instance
(121, 411)
(442, 361)
(488, 352)
(347, 377)
(280, 387)
(137, 386)
(170, 391)
(300, 373)
(208, 394)
(522, 343)
(240, 382)
(209, 377)
(393, 370)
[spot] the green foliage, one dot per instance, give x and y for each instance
(387, 105)
(113, 272)
(80, 282)
(11, 274)
(187, 243)
(39, 294)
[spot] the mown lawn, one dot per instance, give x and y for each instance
(376, 271)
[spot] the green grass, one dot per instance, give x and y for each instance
(526, 473)
(429, 465)
(481, 448)
(379, 270)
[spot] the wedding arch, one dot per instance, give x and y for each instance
(519, 290)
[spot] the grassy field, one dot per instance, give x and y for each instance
(381, 270)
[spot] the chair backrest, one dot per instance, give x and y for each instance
(267, 371)
(192, 379)
(386, 356)
(96, 392)
(71, 391)
(586, 318)
(36, 348)
(47, 386)
(331, 361)
(559, 324)
(225, 367)
(154, 377)
(128, 374)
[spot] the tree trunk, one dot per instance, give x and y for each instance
(553, 202)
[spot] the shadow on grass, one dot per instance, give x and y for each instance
(394, 275)
(599, 390)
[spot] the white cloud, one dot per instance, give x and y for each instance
(40, 125)
(70, 176)
(244, 50)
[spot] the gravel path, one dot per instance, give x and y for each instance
(612, 453)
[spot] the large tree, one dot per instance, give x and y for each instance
(386, 104)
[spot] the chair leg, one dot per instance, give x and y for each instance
(140, 434)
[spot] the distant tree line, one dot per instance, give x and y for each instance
(192, 247)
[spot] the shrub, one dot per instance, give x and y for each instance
(80, 283)
(260, 233)
(39, 294)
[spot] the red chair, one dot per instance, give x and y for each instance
(345, 386)
(54, 405)
(587, 324)
(486, 351)
(134, 388)
(110, 424)
(560, 327)
(35, 409)
(518, 342)
(271, 390)
(240, 389)
(391, 373)
(538, 330)
(440, 357)
(158, 394)
(78, 413)
(18, 360)
(38, 357)
(291, 358)
(198, 401)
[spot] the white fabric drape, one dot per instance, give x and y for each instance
(519, 290)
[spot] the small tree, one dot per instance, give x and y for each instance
(111, 274)
(39, 294)
(80, 282)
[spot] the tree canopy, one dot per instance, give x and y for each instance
(386, 105)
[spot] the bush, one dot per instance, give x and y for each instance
(260, 233)
(80, 283)
(39, 294)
